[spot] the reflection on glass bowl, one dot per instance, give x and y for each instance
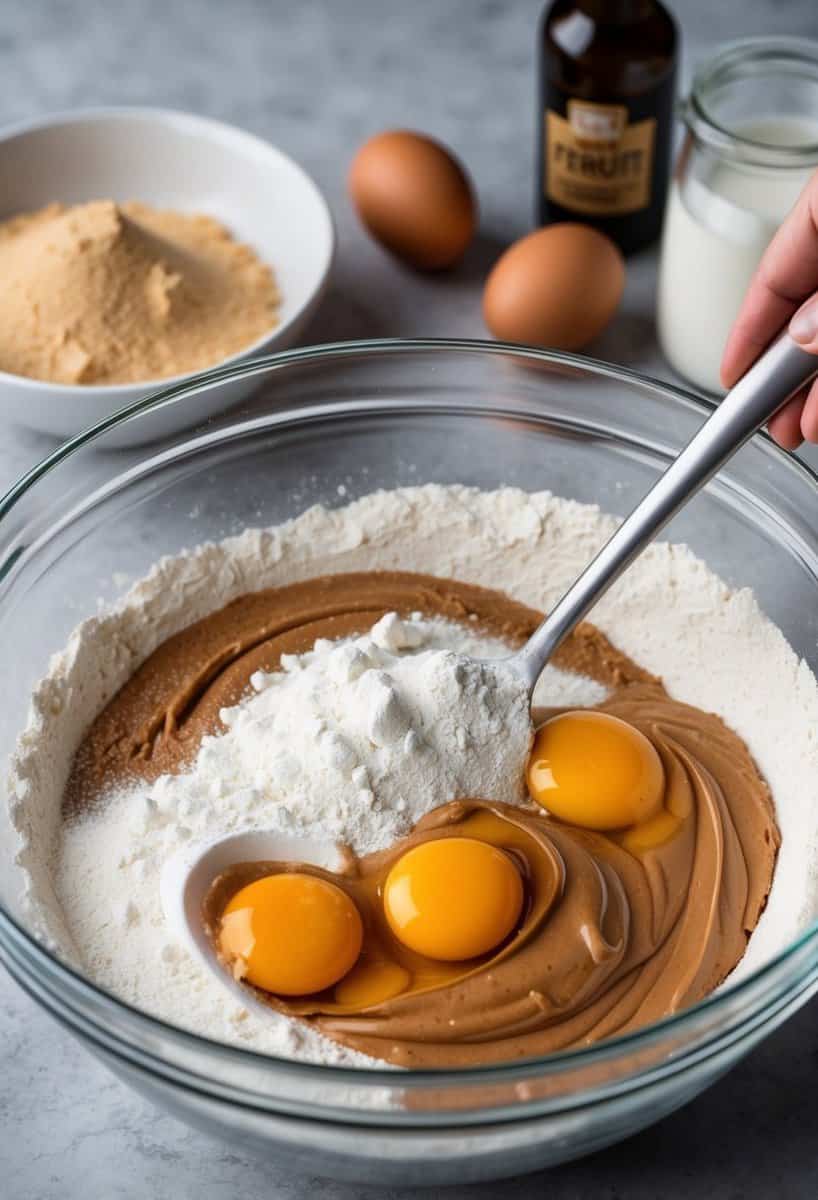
(327, 424)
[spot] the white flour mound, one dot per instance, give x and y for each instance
(363, 771)
(353, 739)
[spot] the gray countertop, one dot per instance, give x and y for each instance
(316, 78)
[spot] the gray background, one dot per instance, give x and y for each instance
(316, 78)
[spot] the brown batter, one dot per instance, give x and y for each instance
(615, 934)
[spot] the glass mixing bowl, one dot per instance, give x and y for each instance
(328, 424)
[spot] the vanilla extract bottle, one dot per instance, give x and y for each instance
(607, 77)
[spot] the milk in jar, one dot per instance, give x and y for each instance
(730, 192)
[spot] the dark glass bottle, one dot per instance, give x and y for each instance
(607, 75)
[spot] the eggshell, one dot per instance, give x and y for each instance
(558, 287)
(414, 197)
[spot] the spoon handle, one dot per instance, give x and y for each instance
(773, 379)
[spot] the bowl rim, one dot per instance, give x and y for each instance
(252, 143)
(505, 1071)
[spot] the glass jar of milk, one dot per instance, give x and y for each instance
(751, 143)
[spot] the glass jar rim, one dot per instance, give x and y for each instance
(742, 59)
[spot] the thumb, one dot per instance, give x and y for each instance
(803, 327)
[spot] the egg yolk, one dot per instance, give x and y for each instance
(291, 934)
(453, 898)
(594, 770)
(372, 983)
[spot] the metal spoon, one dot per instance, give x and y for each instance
(782, 370)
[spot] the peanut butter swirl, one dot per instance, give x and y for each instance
(611, 939)
(156, 722)
(614, 935)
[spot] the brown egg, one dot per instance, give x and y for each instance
(414, 197)
(557, 287)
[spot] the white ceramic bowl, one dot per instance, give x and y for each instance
(170, 160)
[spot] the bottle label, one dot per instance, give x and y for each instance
(595, 162)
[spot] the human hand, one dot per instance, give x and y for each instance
(783, 289)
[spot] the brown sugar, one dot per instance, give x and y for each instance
(104, 293)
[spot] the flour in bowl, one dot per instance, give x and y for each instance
(93, 885)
